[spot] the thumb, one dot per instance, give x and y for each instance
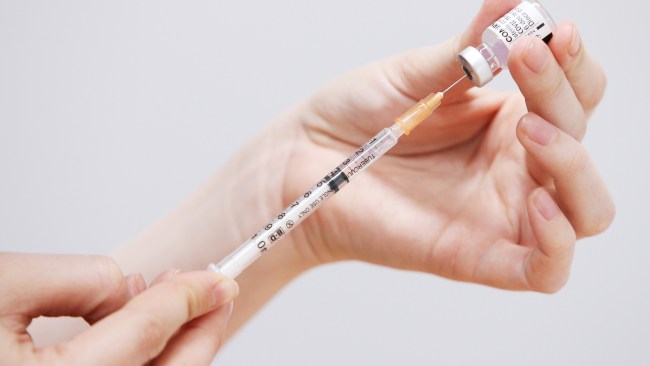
(418, 72)
(140, 330)
(63, 285)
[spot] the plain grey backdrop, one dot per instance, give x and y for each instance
(111, 112)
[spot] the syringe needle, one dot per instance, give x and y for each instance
(422, 109)
(454, 84)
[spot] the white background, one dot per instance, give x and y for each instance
(112, 112)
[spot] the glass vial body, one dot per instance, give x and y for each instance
(527, 19)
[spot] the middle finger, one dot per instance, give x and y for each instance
(543, 83)
(583, 72)
(581, 192)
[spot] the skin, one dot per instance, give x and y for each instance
(494, 188)
(466, 187)
(180, 318)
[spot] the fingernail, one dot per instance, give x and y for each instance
(169, 274)
(135, 284)
(535, 55)
(546, 205)
(575, 43)
(224, 291)
(165, 275)
(538, 130)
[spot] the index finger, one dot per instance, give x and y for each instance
(62, 284)
(418, 72)
(544, 85)
(139, 331)
(583, 72)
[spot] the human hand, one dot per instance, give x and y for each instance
(180, 318)
(478, 193)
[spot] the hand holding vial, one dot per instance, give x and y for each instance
(494, 188)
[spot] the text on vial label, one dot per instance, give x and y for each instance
(524, 20)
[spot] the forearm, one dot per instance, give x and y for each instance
(217, 218)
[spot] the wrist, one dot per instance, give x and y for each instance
(256, 188)
(219, 217)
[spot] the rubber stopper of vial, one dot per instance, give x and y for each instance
(475, 66)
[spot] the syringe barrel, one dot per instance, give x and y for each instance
(308, 203)
(370, 152)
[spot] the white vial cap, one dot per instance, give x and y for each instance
(475, 66)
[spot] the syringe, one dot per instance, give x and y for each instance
(313, 199)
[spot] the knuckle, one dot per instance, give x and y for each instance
(600, 222)
(575, 162)
(545, 86)
(109, 273)
(550, 84)
(194, 302)
(152, 332)
(555, 83)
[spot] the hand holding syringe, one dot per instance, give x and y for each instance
(462, 199)
(313, 199)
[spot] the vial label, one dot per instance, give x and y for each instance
(524, 20)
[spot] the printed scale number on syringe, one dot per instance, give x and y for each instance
(300, 209)
(308, 203)
(480, 65)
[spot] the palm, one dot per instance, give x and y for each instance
(462, 196)
(458, 183)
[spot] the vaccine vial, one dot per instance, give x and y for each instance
(528, 19)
